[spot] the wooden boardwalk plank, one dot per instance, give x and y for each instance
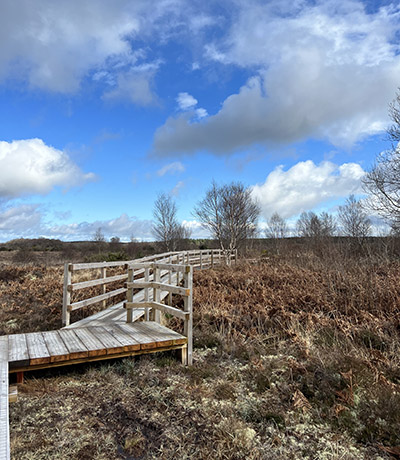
(146, 341)
(93, 345)
(161, 339)
(57, 349)
(18, 355)
(37, 349)
(75, 346)
(111, 344)
(127, 340)
(177, 338)
(4, 422)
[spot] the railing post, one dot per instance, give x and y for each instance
(201, 260)
(188, 307)
(236, 256)
(170, 282)
(66, 315)
(177, 273)
(156, 294)
(129, 294)
(103, 274)
(146, 293)
(212, 258)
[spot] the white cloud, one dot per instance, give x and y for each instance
(178, 187)
(21, 218)
(186, 101)
(196, 229)
(28, 221)
(322, 69)
(201, 113)
(54, 46)
(134, 87)
(57, 43)
(30, 166)
(305, 186)
(123, 226)
(171, 168)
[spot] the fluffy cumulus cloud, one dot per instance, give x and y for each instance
(30, 167)
(305, 186)
(53, 46)
(313, 65)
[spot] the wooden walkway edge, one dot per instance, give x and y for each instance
(38, 350)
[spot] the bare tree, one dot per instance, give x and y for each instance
(383, 181)
(98, 236)
(276, 227)
(310, 225)
(166, 229)
(229, 213)
(353, 219)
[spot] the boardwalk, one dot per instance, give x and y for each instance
(115, 331)
(116, 314)
(38, 350)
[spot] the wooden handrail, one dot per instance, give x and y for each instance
(156, 306)
(167, 263)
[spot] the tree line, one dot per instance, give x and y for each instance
(230, 214)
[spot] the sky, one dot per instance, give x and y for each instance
(104, 105)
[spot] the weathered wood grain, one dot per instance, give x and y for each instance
(111, 344)
(92, 344)
(128, 341)
(18, 355)
(37, 349)
(75, 346)
(56, 347)
(160, 339)
(146, 341)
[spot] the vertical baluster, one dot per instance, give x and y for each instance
(188, 307)
(156, 293)
(170, 282)
(103, 274)
(146, 293)
(66, 315)
(129, 294)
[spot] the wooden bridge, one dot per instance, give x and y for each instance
(149, 286)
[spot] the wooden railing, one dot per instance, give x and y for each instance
(154, 307)
(198, 259)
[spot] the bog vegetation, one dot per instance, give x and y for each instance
(296, 357)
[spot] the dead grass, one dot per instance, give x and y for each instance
(31, 297)
(294, 359)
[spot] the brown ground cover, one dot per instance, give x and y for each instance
(294, 359)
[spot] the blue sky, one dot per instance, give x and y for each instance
(103, 105)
